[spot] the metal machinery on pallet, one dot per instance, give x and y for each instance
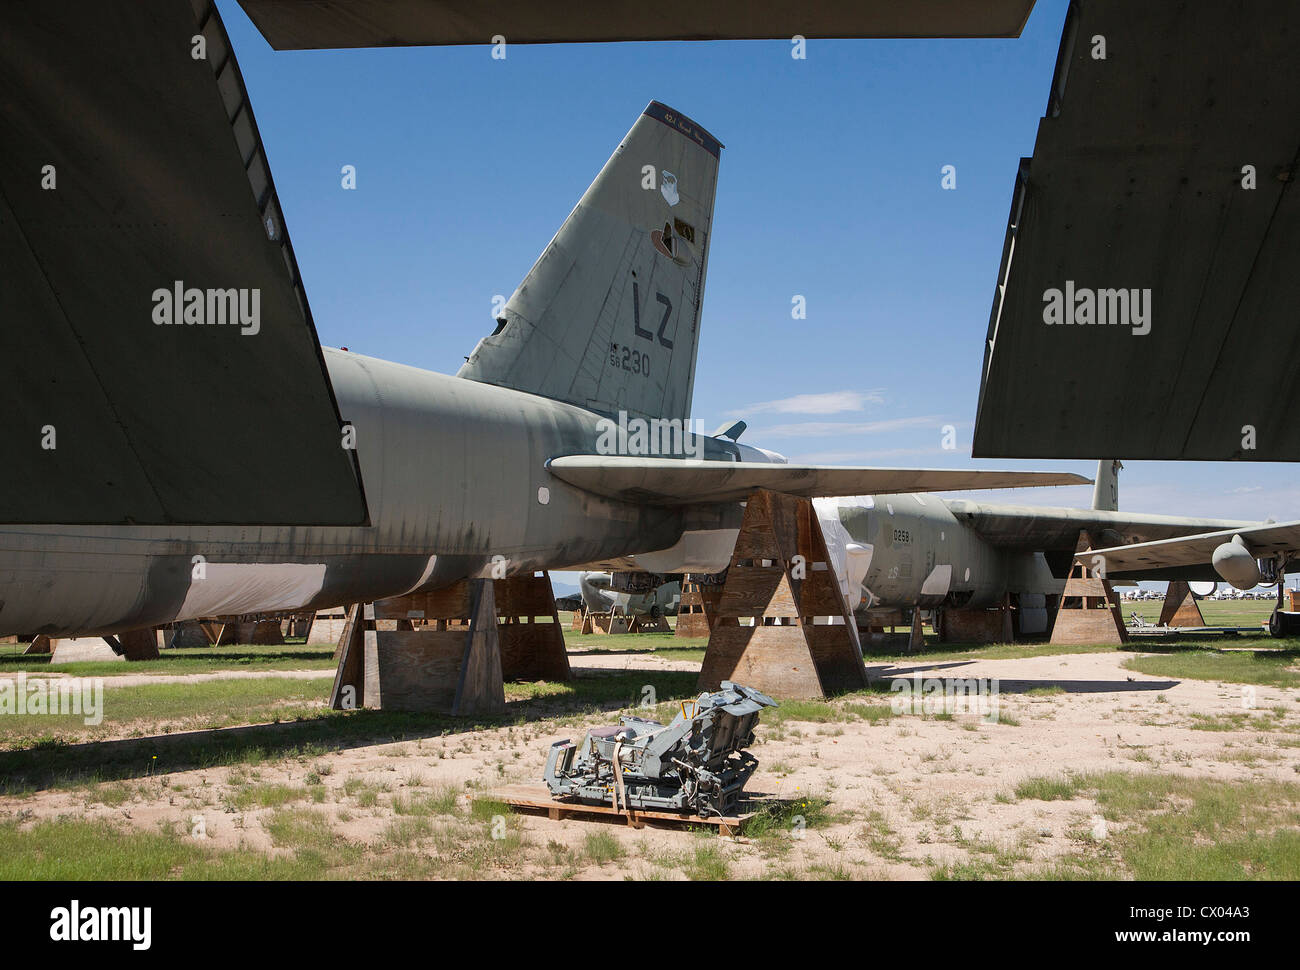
(695, 763)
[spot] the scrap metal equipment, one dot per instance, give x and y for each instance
(695, 763)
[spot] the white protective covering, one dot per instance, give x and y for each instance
(232, 589)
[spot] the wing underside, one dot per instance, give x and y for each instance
(1197, 550)
(672, 481)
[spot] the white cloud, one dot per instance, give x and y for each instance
(865, 457)
(822, 429)
(830, 402)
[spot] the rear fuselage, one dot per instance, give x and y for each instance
(455, 475)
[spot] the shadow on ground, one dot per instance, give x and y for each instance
(55, 764)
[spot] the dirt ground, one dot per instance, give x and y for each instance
(904, 794)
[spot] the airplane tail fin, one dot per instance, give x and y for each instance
(1105, 491)
(608, 318)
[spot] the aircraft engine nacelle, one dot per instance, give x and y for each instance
(1236, 564)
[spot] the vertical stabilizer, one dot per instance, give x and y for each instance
(1105, 491)
(608, 318)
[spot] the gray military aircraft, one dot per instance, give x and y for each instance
(564, 440)
(1244, 555)
(918, 551)
(600, 594)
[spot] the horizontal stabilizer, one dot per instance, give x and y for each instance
(1263, 541)
(674, 481)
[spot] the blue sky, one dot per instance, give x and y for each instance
(829, 187)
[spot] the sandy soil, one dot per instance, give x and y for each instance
(906, 794)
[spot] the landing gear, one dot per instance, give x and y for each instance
(1280, 622)
(1284, 624)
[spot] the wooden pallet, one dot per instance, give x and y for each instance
(537, 798)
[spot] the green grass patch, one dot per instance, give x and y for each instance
(264, 796)
(1190, 829)
(74, 849)
(1048, 789)
(601, 847)
(440, 801)
(186, 660)
(706, 863)
(1271, 668)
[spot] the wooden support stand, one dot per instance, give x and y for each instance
(532, 640)
(978, 626)
(593, 622)
(697, 609)
(785, 652)
(1090, 610)
(452, 649)
(916, 636)
(1180, 606)
(650, 624)
(131, 645)
(257, 632)
(140, 644)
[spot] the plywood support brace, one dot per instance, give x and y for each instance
(799, 639)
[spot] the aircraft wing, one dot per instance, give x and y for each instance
(158, 360)
(295, 25)
(1040, 529)
(1201, 221)
(1195, 550)
(676, 481)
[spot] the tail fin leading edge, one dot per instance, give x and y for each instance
(608, 318)
(1105, 491)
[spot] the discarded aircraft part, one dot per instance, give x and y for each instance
(695, 763)
(294, 25)
(634, 594)
(1135, 327)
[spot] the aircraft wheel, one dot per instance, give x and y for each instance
(656, 611)
(1284, 624)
